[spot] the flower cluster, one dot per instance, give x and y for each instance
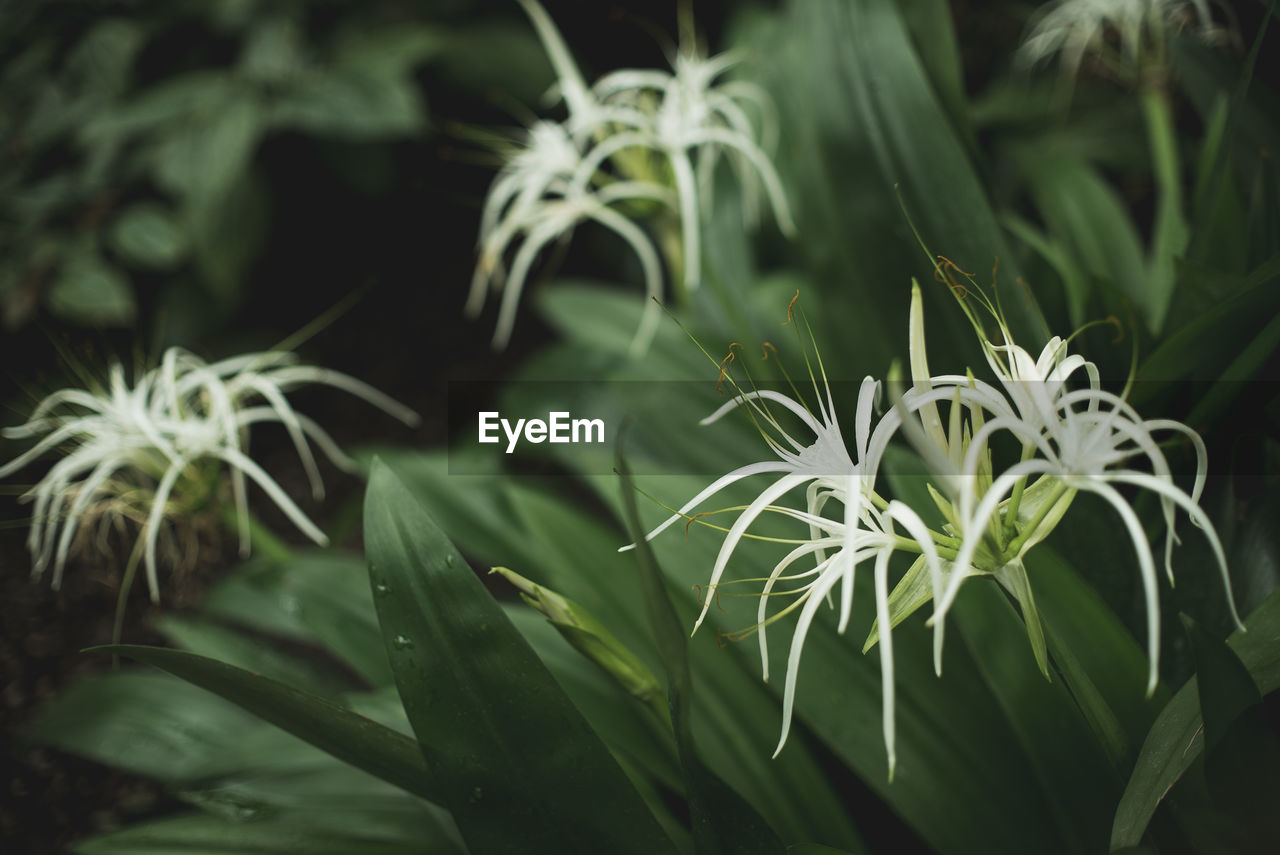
(1072, 434)
(638, 141)
(1125, 36)
(156, 450)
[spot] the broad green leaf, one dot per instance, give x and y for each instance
(1070, 767)
(630, 730)
(148, 723)
(501, 521)
(1209, 341)
(1176, 738)
(320, 596)
(388, 52)
(1234, 381)
(89, 291)
(201, 158)
(934, 39)
(336, 730)
(1083, 212)
(866, 137)
(1101, 664)
(722, 821)
(233, 647)
(1241, 754)
(513, 758)
(349, 106)
(147, 235)
(206, 835)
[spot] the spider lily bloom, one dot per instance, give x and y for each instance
(1072, 28)
(695, 115)
(155, 450)
(866, 533)
(1081, 440)
(547, 219)
(587, 113)
(823, 464)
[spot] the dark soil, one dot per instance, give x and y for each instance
(52, 799)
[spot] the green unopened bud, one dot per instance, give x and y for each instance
(590, 638)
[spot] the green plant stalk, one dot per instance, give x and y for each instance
(1015, 499)
(1015, 545)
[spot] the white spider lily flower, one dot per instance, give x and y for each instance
(1083, 440)
(547, 219)
(587, 113)
(1122, 33)
(866, 533)
(823, 464)
(677, 116)
(863, 532)
(694, 115)
(154, 450)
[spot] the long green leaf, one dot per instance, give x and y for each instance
(206, 835)
(723, 822)
(514, 760)
(504, 521)
(351, 738)
(1176, 738)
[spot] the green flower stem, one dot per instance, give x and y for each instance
(1015, 499)
(1029, 529)
(122, 597)
(948, 552)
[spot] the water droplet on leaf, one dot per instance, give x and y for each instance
(402, 642)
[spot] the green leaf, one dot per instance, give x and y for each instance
(1235, 379)
(512, 756)
(233, 647)
(1086, 215)
(723, 822)
(147, 235)
(499, 520)
(1175, 740)
(1241, 752)
(349, 737)
(90, 291)
(206, 835)
(868, 136)
(1101, 664)
(202, 157)
(349, 106)
(320, 596)
(1170, 232)
(147, 723)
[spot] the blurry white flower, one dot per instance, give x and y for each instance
(626, 150)
(691, 115)
(155, 451)
(1124, 35)
(539, 198)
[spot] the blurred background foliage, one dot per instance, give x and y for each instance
(217, 173)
